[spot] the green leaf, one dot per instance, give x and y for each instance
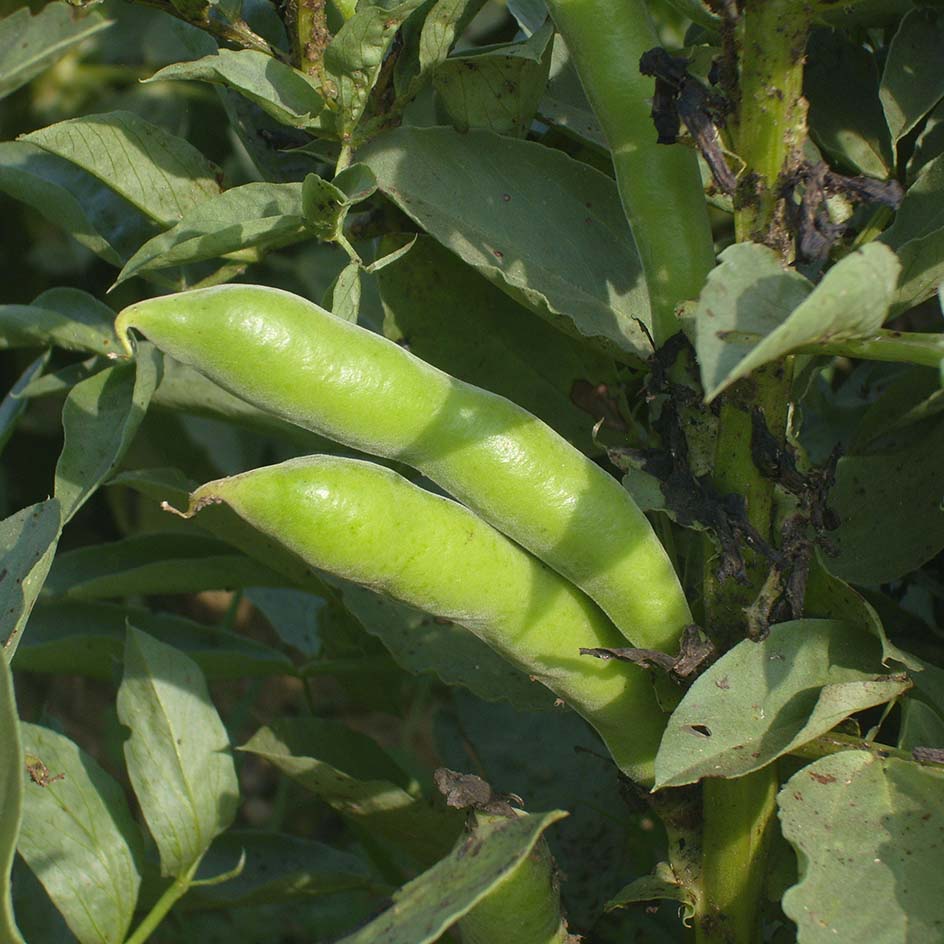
(155, 563)
(746, 298)
(851, 302)
(841, 83)
(34, 326)
(28, 44)
(284, 93)
(762, 699)
(79, 838)
(873, 826)
(662, 885)
(178, 755)
(160, 174)
(95, 215)
(63, 380)
(889, 508)
(913, 82)
(278, 868)
(444, 23)
(349, 772)
(86, 313)
(11, 799)
(324, 207)
(921, 726)
(917, 235)
(354, 57)
(258, 217)
(477, 193)
(453, 318)
(495, 87)
(78, 638)
(424, 908)
(564, 103)
(344, 296)
(100, 418)
(529, 14)
(13, 404)
(27, 543)
(420, 643)
(293, 614)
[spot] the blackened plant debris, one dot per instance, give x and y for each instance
(696, 653)
(680, 98)
(806, 190)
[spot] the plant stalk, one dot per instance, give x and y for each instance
(770, 131)
(172, 894)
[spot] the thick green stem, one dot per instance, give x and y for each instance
(735, 842)
(771, 128)
(659, 186)
(311, 37)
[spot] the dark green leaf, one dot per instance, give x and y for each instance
(841, 83)
(13, 404)
(497, 88)
(565, 104)
(28, 44)
(761, 699)
(873, 826)
(34, 326)
(477, 193)
(293, 614)
(79, 838)
(921, 726)
(11, 799)
(160, 174)
(63, 380)
(889, 508)
(284, 93)
(324, 207)
(425, 907)
(350, 773)
(278, 868)
(100, 418)
(255, 217)
(453, 318)
(78, 638)
(661, 885)
(913, 82)
(155, 563)
(27, 543)
(530, 14)
(178, 755)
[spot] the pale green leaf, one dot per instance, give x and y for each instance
(424, 908)
(344, 296)
(868, 837)
(478, 193)
(495, 87)
(284, 93)
(178, 755)
(79, 838)
(28, 44)
(100, 418)
(259, 217)
(564, 103)
(11, 799)
(913, 81)
(27, 544)
(160, 174)
(746, 298)
(851, 302)
(354, 57)
(761, 699)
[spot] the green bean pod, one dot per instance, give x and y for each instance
(524, 908)
(367, 524)
(659, 186)
(288, 356)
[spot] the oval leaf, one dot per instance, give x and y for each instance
(178, 756)
(11, 799)
(761, 699)
(872, 826)
(477, 193)
(79, 838)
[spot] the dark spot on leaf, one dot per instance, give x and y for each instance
(822, 778)
(702, 730)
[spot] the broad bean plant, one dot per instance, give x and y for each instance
(472, 471)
